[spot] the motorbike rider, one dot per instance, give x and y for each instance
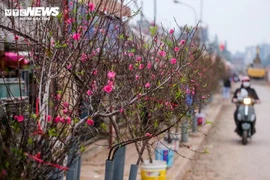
(245, 83)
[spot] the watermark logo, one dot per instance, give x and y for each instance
(32, 12)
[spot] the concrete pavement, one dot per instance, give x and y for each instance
(228, 158)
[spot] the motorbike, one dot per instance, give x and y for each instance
(246, 117)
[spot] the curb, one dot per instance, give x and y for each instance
(183, 165)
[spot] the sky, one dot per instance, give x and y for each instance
(241, 23)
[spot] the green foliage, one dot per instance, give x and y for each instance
(122, 37)
(52, 132)
(208, 122)
(103, 126)
(82, 149)
(153, 30)
(30, 141)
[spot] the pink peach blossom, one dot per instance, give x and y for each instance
(130, 67)
(147, 85)
(182, 42)
(176, 49)
(162, 53)
(111, 74)
(171, 31)
(68, 120)
(95, 72)
(173, 61)
(139, 58)
(137, 77)
(89, 92)
(121, 110)
(49, 118)
(19, 118)
(130, 54)
(57, 119)
(69, 21)
(16, 38)
(91, 7)
(76, 36)
(108, 88)
(65, 111)
(149, 65)
(83, 57)
(65, 104)
(62, 120)
(69, 66)
(148, 134)
(90, 122)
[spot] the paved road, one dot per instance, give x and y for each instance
(228, 158)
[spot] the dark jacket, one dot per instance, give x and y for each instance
(227, 83)
(251, 93)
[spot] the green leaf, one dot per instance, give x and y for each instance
(34, 116)
(82, 148)
(52, 132)
(145, 46)
(103, 126)
(122, 37)
(153, 30)
(156, 124)
(7, 164)
(59, 16)
(30, 140)
(208, 122)
(130, 38)
(133, 50)
(169, 43)
(76, 120)
(183, 80)
(205, 151)
(82, 72)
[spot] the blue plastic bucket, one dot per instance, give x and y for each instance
(165, 152)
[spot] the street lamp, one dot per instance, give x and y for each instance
(195, 14)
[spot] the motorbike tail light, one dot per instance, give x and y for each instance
(247, 101)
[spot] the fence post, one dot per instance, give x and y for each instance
(74, 170)
(109, 167)
(133, 172)
(184, 133)
(119, 163)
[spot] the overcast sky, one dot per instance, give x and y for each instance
(239, 22)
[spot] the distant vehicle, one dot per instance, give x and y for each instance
(256, 71)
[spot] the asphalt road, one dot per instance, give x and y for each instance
(228, 158)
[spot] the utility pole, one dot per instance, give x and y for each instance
(201, 14)
(155, 11)
(141, 11)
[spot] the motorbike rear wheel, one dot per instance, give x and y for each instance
(244, 137)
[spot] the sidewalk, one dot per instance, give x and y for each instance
(93, 160)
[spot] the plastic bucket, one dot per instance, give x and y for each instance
(153, 171)
(175, 140)
(201, 119)
(165, 152)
